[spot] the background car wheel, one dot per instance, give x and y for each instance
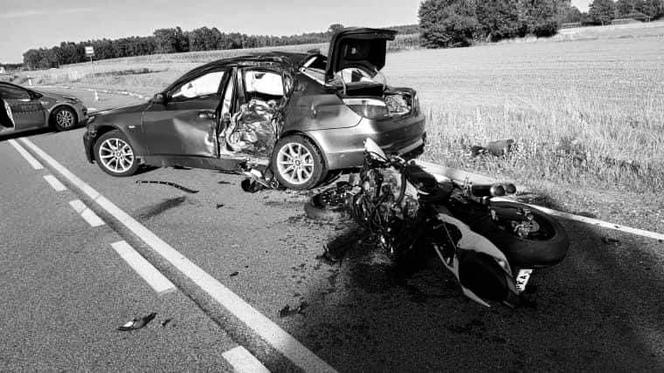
(63, 118)
(115, 155)
(297, 163)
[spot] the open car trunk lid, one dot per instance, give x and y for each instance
(363, 47)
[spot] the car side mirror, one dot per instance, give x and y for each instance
(159, 98)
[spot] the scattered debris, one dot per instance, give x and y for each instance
(165, 322)
(220, 205)
(137, 322)
(287, 311)
(223, 182)
(498, 148)
(234, 274)
(169, 183)
(610, 240)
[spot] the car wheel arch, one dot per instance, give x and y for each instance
(100, 132)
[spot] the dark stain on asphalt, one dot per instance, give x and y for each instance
(161, 207)
(169, 183)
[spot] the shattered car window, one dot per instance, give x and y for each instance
(207, 84)
(263, 83)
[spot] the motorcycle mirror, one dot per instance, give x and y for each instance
(374, 150)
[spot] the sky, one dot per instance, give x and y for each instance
(45, 23)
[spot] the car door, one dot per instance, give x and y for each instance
(184, 123)
(27, 111)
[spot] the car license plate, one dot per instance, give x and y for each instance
(522, 279)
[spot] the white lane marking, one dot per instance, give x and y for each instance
(55, 183)
(443, 173)
(601, 223)
(150, 274)
(243, 361)
(87, 214)
(283, 342)
(28, 157)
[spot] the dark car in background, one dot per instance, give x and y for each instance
(27, 109)
(304, 115)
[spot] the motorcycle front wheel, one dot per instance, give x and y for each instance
(327, 204)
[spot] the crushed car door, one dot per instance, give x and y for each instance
(184, 123)
(26, 110)
(253, 124)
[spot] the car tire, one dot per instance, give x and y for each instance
(115, 155)
(297, 163)
(63, 118)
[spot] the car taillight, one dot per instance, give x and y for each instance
(367, 107)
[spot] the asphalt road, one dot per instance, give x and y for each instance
(65, 290)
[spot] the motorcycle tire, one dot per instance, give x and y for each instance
(319, 206)
(545, 249)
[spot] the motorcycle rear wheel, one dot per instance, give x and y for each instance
(545, 247)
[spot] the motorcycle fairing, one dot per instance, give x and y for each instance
(472, 241)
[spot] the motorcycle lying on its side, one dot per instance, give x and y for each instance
(490, 243)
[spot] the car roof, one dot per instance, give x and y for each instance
(291, 60)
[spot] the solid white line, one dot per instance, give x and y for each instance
(283, 342)
(87, 214)
(55, 183)
(243, 361)
(28, 157)
(150, 274)
(603, 224)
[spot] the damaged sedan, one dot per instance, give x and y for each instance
(299, 117)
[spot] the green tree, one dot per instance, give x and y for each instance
(499, 19)
(602, 11)
(334, 28)
(449, 23)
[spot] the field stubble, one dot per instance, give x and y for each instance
(587, 116)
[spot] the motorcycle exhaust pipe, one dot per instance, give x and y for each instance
(488, 190)
(510, 188)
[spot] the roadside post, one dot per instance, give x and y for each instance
(89, 52)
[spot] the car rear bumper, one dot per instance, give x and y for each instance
(344, 147)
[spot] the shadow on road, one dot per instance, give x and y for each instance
(599, 310)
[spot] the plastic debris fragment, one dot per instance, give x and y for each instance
(138, 322)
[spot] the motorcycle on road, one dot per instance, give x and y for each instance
(489, 243)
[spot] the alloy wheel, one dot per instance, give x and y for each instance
(64, 118)
(295, 163)
(116, 155)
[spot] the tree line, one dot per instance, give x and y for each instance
(171, 40)
(457, 23)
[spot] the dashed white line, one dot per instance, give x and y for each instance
(150, 274)
(243, 361)
(87, 214)
(28, 157)
(55, 183)
(262, 326)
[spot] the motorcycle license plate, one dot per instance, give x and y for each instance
(522, 279)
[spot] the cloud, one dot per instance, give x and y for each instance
(42, 12)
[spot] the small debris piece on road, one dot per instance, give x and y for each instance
(222, 182)
(234, 274)
(169, 183)
(138, 323)
(610, 240)
(288, 311)
(165, 322)
(220, 205)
